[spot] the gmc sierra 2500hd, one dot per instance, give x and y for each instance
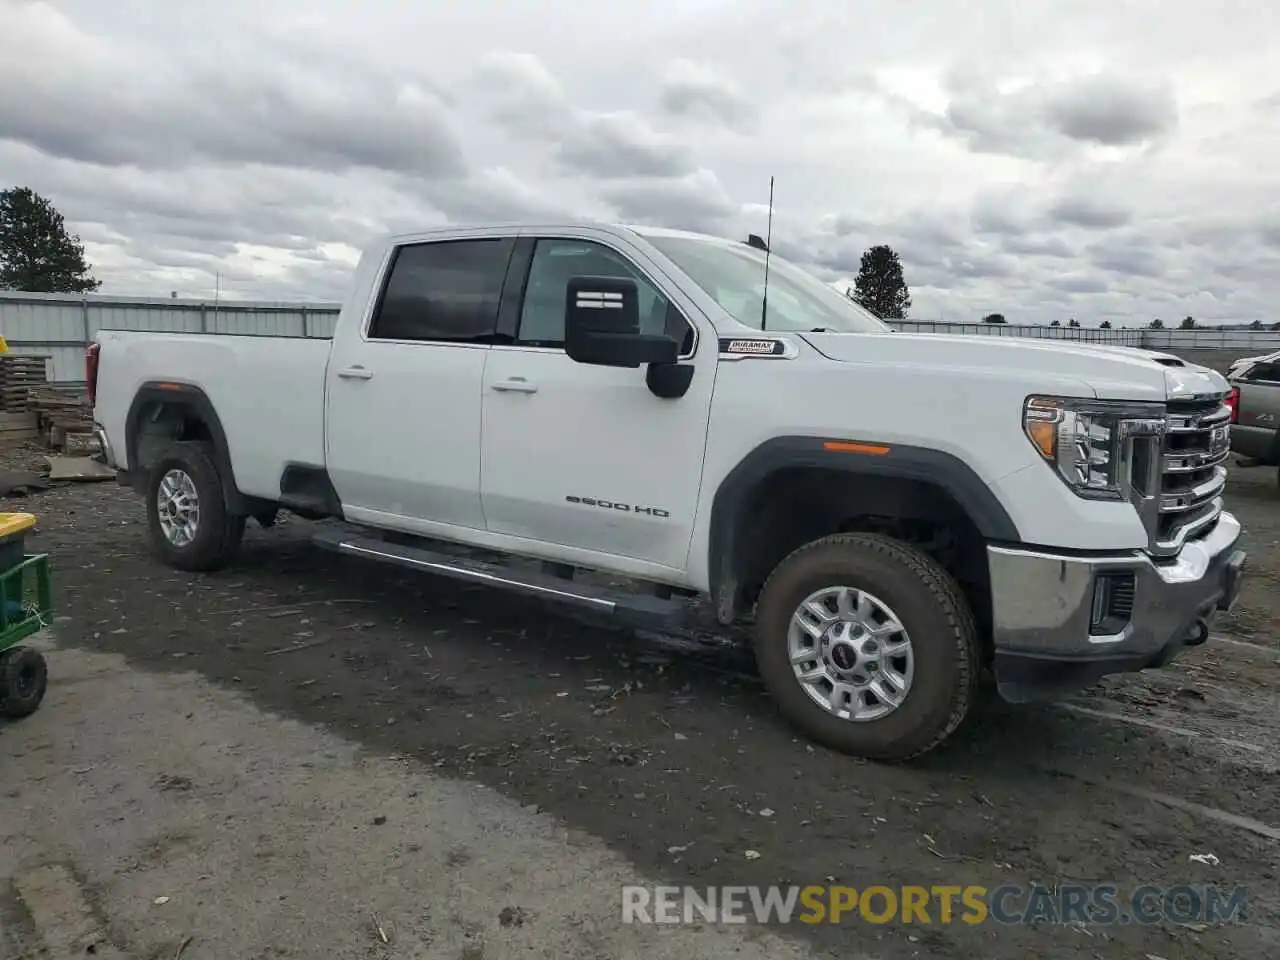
(898, 512)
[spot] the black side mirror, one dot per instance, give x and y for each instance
(602, 325)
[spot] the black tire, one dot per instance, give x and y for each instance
(24, 678)
(929, 604)
(218, 532)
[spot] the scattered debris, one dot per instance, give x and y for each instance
(78, 469)
(512, 917)
(160, 901)
(1208, 859)
(21, 484)
(297, 646)
(752, 854)
(173, 784)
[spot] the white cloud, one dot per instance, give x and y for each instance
(1045, 159)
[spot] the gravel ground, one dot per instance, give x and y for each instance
(668, 751)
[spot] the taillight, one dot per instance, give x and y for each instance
(1233, 401)
(91, 372)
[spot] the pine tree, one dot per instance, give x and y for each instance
(36, 252)
(880, 286)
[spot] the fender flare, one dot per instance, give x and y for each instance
(866, 458)
(181, 395)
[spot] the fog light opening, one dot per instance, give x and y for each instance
(1112, 603)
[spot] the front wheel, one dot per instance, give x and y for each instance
(191, 528)
(868, 646)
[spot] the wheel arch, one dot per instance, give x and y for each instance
(182, 411)
(882, 472)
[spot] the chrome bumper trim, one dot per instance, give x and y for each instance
(1042, 602)
(105, 453)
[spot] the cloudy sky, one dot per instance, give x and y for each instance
(1047, 160)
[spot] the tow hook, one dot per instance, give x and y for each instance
(1199, 633)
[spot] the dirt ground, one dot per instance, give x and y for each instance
(666, 751)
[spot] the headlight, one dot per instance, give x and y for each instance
(1091, 442)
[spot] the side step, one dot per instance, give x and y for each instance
(640, 610)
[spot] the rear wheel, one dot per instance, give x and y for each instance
(191, 528)
(868, 646)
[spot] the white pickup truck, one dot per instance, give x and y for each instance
(896, 512)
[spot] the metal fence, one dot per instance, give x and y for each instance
(1124, 337)
(61, 325)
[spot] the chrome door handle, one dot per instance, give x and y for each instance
(515, 385)
(356, 373)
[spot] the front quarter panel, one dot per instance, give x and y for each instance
(972, 414)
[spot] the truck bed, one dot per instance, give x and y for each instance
(268, 393)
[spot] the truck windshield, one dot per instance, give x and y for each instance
(733, 275)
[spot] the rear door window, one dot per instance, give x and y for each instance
(446, 291)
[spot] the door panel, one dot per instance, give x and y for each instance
(404, 412)
(406, 442)
(1255, 433)
(583, 455)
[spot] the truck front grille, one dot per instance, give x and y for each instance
(1193, 475)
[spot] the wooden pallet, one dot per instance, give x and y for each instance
(19, 374)
(63, 415)
(18, 426)
(66, 436)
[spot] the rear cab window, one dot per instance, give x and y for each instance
(1263, 373)
(443, 291)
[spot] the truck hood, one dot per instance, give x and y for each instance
(1113, 372)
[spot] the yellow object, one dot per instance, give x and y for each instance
(4, 347)
(12, 524)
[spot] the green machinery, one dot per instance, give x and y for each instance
(26, 606)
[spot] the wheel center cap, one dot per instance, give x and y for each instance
(844, 656)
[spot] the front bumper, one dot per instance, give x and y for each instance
(1051, 636)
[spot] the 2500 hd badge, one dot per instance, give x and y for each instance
(613, 505)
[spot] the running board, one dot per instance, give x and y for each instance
(634, 609)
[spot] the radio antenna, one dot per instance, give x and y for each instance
(768, 244)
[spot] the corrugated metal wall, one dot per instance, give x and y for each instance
(61, 326)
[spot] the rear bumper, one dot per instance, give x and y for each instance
(1256, 443)
(106, 453)
(1055, 628)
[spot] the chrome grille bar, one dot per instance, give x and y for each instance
(1192, 472)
